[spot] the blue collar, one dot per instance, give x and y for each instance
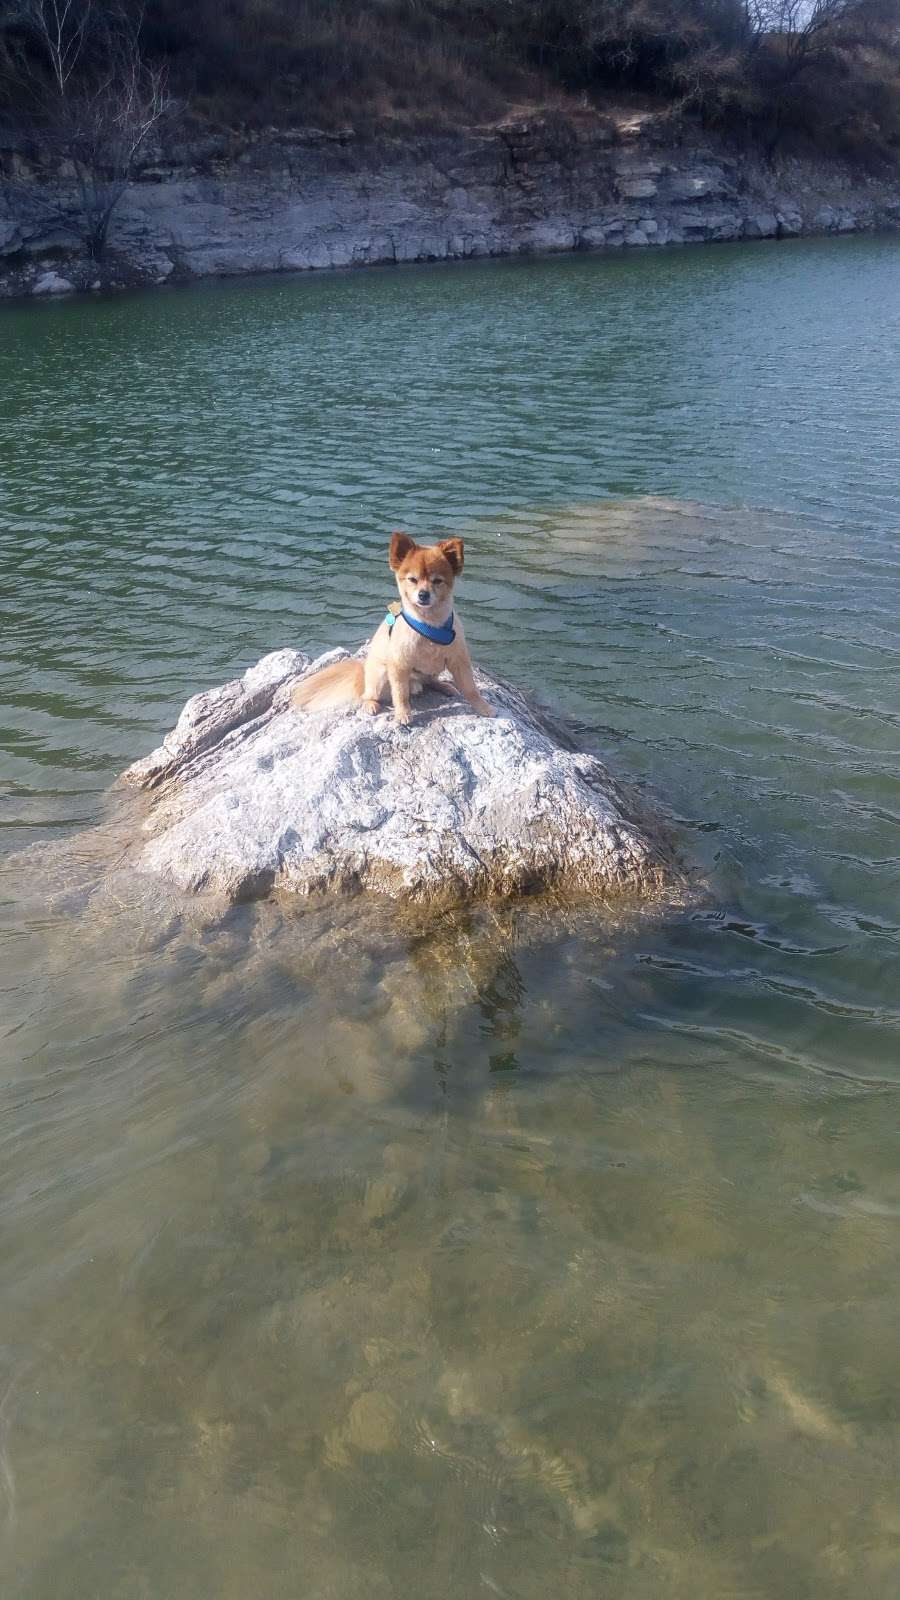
(445, 634)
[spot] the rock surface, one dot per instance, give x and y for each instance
(52, 283)
(251, 796)
(292, 199)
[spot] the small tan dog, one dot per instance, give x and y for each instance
(417, 641)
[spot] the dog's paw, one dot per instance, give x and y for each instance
(370, 707)
(483, 709)
(404, 718)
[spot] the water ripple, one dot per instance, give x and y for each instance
(526, 1252)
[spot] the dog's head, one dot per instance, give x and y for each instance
(425, 573)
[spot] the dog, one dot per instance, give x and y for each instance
(418, 640)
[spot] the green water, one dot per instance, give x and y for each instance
(519, 1255)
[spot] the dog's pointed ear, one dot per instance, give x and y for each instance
(401, 546)
(452, 551)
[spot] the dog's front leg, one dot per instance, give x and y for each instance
(463, 677)
(399, 681)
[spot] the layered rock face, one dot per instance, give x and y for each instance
(293, 200)
(251, 796)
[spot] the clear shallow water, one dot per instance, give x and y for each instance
(348, 1257)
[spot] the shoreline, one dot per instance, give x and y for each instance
(118, 285)
(301, 200)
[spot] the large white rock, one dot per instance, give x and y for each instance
(250, 796)
(53, 283)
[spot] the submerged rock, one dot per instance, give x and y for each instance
(251, 796)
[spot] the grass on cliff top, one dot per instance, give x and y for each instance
(417, 64)
(812, 75)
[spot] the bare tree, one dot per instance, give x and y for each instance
(94, 103)
(798, 29)
(789, 41)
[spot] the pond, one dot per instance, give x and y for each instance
(347, 1255)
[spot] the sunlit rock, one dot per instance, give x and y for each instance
(252, 796)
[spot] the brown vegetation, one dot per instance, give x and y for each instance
(817, 74)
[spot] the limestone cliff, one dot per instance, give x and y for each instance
(290, 200)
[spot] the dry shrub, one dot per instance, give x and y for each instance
(819, 74)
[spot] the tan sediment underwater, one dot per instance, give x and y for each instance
(299, 1296)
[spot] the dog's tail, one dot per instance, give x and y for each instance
(337, 685)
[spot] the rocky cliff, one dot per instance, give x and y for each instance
(290, 200)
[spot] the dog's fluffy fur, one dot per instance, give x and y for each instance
(402, 662)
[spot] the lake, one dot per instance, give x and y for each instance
(350, 1255)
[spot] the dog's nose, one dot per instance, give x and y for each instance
(423, 596)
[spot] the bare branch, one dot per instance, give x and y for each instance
(96, 104)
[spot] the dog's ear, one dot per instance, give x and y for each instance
(452, 551)
(401, 546)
